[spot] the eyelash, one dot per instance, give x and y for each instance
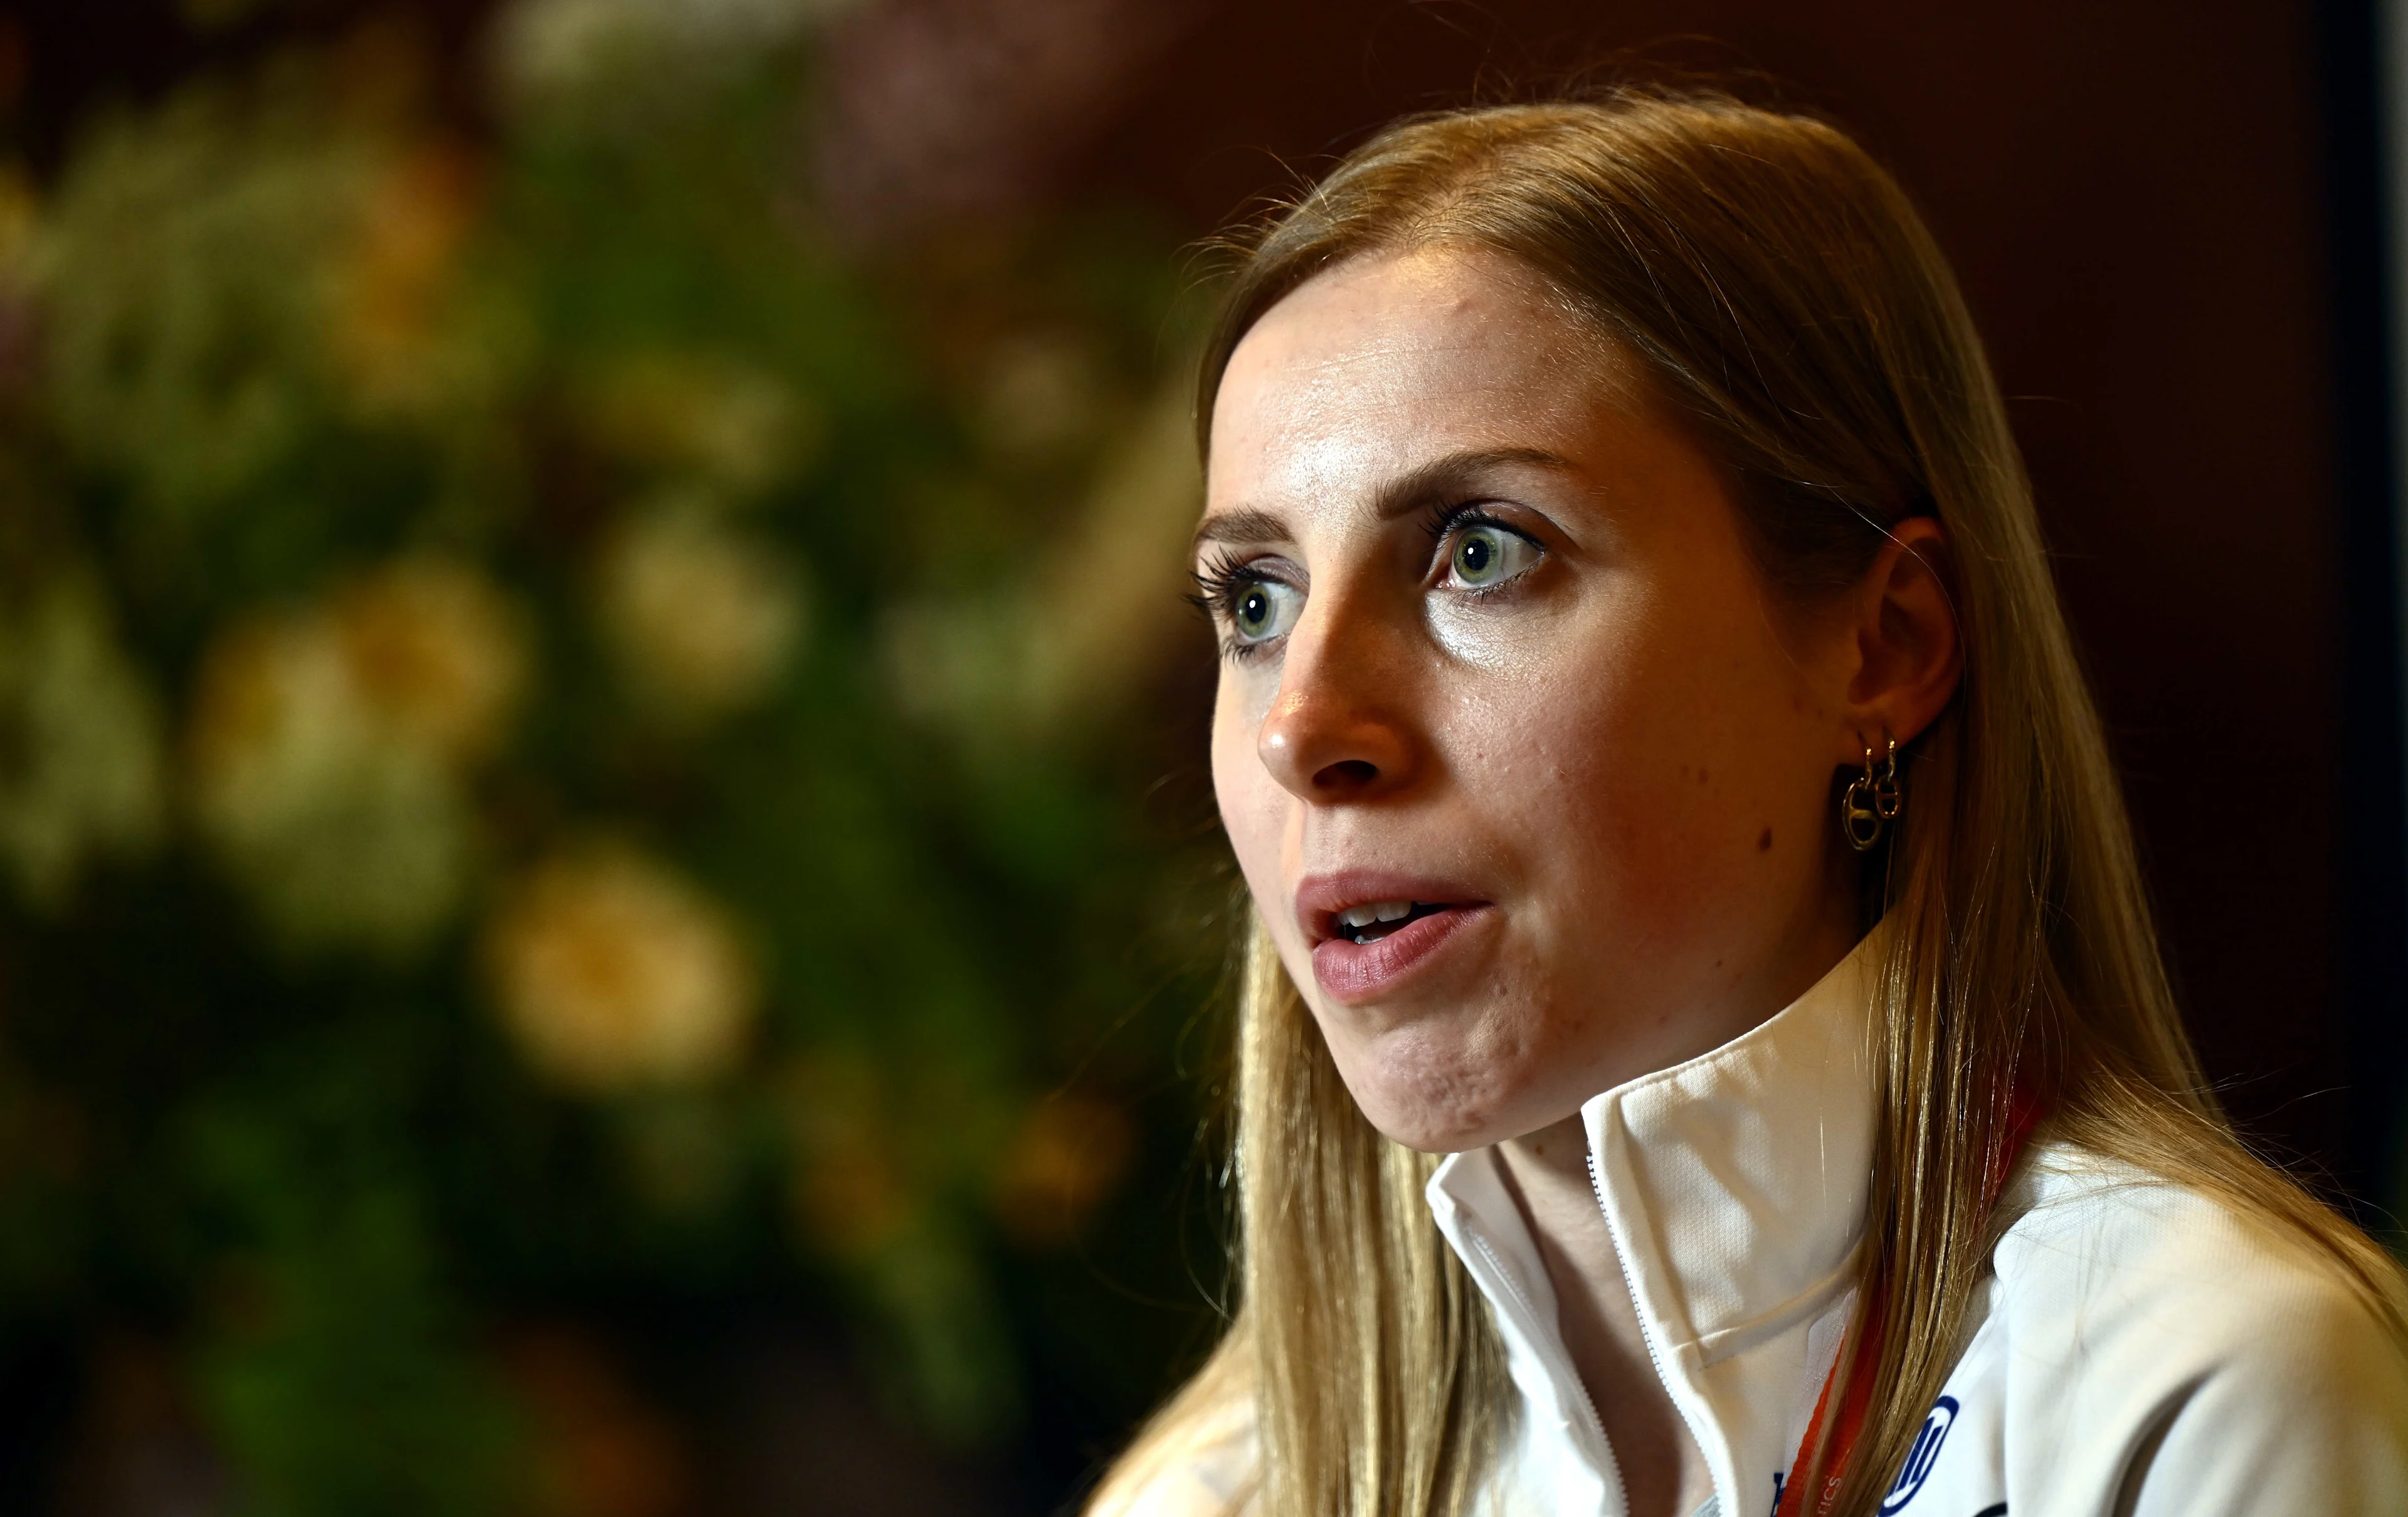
(1447, 521)
(1218, 585)
(1443, 520)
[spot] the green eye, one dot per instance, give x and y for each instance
(1485, 555)
(1262, 609)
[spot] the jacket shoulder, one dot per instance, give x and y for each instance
(1202, 1464)
(2171, 1354)
(2102, 1249)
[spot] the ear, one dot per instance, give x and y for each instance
(1908, 654)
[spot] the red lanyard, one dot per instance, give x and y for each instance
(2023, 1115)
(1853, 1406)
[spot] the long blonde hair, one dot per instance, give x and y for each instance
(1791, 309)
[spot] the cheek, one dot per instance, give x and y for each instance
(1250, 801)
(1258, 816)
(1639, 758)
(1560, 725)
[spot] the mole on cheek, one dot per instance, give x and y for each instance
(1763, 843)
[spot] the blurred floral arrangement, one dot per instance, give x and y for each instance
(566, 732)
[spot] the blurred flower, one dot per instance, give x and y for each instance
(850, 1194)
(1065, 1159)
(19, 213)
(326, 746)
(388, 293)
(80, 739)
(704, 620)
(599, 1450)
(182, 274)
(1082, 628)
(435, 652)
(735, 424)
(19, 221)
(854, 1197)
(340, 837)
(614, 972)
(560, 53)
(852, 1200)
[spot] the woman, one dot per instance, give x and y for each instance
(1668, 790)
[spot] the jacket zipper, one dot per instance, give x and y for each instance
(1530, 1329)
(1646, 1334)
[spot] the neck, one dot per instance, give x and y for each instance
(1546, 1172)
(1701, 1138)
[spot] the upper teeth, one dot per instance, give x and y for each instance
(1370, 911)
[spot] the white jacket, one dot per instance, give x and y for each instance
(2136, 1351)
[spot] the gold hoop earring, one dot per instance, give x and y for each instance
(1871, 802)
(1887, 795)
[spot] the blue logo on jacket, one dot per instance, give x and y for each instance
(1920, 1458)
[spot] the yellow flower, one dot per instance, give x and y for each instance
(435, 654)
(612, 972)
(389, 293)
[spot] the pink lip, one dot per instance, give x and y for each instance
(1350, 971)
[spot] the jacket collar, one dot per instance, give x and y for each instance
(1734, 1186)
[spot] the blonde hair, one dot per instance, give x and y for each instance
(1792, 311)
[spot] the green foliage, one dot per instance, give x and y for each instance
(328, 1358)
(564, 735)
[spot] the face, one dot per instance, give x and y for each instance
(1528, 775)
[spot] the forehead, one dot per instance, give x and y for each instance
(1380, 364)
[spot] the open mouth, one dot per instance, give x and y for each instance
(1374, 920)
(1371, 930)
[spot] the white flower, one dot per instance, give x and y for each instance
(327, 750)
(549, 49)
(78, 742)
(703, 619)
(1071, 639)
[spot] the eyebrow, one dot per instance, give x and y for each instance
(1404, 494)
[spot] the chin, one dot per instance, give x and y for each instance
(1443, 1105)
(1416, 1128)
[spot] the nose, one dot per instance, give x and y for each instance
(1334, 733)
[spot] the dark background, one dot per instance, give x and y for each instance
(2162, 216)
(2167, 219)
